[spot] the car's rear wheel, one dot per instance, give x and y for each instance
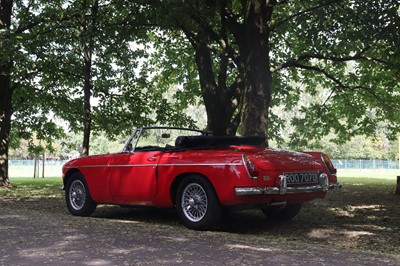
(197, 203)
(282, 213)
(77, 196)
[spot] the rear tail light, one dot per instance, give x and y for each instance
(328, 163)
(250, 166)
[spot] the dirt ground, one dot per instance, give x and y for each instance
(39, 231)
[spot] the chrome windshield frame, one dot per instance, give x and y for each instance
(134, 138)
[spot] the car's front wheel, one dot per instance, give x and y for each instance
(197, 203)
(282, 213)
(77, 196)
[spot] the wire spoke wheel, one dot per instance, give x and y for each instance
(197, 203)
(77, 194)
(194, 202)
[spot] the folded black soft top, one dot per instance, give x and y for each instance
(211, 141)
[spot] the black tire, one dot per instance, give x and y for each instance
(197, 203)
(282, 213)
(77, 196)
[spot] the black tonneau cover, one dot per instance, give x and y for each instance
(214, 141)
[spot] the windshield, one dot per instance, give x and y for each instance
(159, 137)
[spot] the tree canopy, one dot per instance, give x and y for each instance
(339, 53)
(323, 66)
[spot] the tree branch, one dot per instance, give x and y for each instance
(191, 37)
(358, 56)
(280, 23)
(341, 84)
(208, 30)
(320, 70)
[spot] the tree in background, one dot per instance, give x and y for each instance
(95, 56)
(6, 88)
(344, 54)
(24, 106)
(58, 58)
(90, 55)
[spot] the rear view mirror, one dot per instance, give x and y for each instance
(165, 136)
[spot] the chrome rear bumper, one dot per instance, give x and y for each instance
(283, 189)
(335, 186)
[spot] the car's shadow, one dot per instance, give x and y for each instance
(249, 221)
(351, 214)
(137, 214)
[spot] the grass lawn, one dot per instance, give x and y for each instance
(25, 187)
(371, 173)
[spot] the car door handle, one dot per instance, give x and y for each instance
(152, 159)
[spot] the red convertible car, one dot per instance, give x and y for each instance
(199, 174)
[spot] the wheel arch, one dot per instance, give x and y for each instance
(178, 179)
(79, 201)
(69, 174)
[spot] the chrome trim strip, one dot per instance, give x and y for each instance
(244, 191)
(153, 165)
(283, 189)
(111, 166)
(201, 164)
(335, 186)
(131, 165)
(86, 166)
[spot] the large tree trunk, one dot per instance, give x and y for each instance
(88, 29)
(6, 90)
(256, 67)
(5, 121)
(252, 37)
(218, 107)
(87, 115)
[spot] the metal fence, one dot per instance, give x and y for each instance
(32, 162)
(27, 168)
(365, 164)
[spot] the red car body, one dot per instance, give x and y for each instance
(227, 171)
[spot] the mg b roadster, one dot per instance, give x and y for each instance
(199, 174)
